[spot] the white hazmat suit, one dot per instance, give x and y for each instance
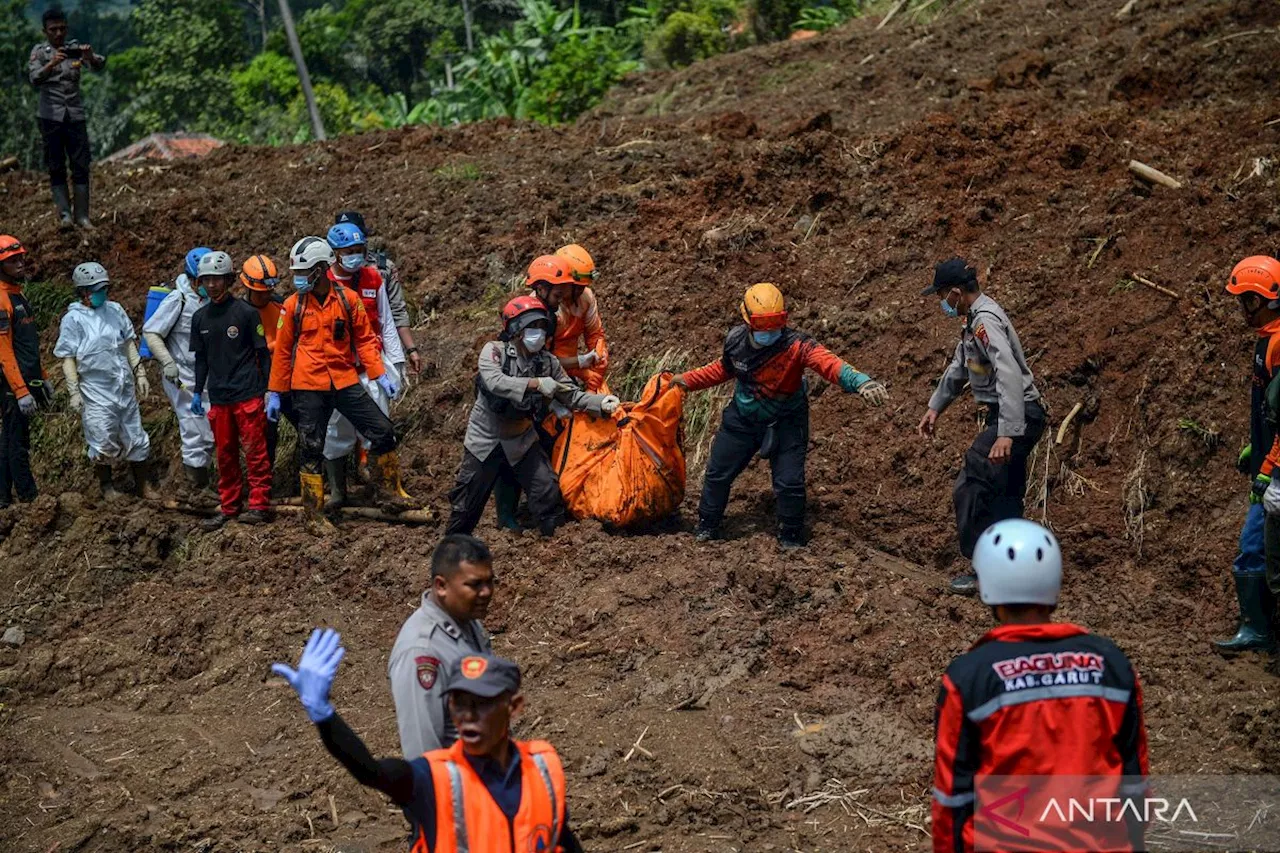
(172, 324)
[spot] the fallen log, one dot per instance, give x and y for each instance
(1155, 176)
(292, 507)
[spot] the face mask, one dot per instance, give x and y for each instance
(302, 283)
(351, 263)
(949, 309)
(202, 292)
(98, 298)
(768, 338)
(534, 339)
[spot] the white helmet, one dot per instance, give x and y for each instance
(308, 252)
(90, 276)
(1018, 562)
(215, 263)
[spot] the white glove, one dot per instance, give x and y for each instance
(27, 405)
(144, 387)
(610, 404)
(874, 393)
(170, 371)
(549, 387)
(588, 359)
(75, 401)
(1271, 497)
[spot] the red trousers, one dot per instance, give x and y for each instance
(239, 426)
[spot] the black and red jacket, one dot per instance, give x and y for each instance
(1034, 700)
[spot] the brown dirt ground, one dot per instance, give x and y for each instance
(139, 713)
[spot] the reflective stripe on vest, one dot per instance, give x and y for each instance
(459, 808)
(545, 773)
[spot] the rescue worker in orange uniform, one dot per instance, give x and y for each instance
(1255, 282)
(579, 318)
(21, 376)
(323, 342)
(488, 792)
(769, 412)
(1034, 699)
(259, 276)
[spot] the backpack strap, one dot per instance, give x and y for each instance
(351, 330)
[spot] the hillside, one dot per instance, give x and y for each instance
(139, 713)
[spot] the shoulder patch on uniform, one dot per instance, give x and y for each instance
(981, 334)
(428, 667)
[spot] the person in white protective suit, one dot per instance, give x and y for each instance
(168, 336)
(105, 375)
(351, 271)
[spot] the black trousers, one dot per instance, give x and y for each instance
(739, 439)
(65, 140)
(15, 452)
(313, 409)
(273, 427)
(985, 492)
(506, 491)
(475, 482)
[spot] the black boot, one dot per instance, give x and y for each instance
(706, 531)
(506, 502)
(790, 536)
(1257, 604)
(964, 585)
(62, 199)
(336, 471)
(82, 206)
(105, 482)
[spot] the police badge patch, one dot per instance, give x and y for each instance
(427, 669)
(981, 334)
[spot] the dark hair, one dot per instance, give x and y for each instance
(54, 14)
(456, 549)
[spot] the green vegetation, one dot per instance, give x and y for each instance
(224, 67)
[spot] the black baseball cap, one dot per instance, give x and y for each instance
(485, 676)
(354, 217)
(954, 272)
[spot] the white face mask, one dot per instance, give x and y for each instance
(534, 339)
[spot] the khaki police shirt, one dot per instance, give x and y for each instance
(989, 357)
(486, 429)
(429, 641)
(60, 87)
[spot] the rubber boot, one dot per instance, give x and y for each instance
(506, 501)
(82, 206)
(142, 480)
(1257, 604)
(62, 200)
(336, 471)
(706, 531)
(964, 585)
(391, 492)
(198, 481)
(790, 536)
(313, 504)
(104, 482)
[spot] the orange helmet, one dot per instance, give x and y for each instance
(520, 313)
(581, 265)
(763, 307)
(549, 269)
(1259, 275)
(259, 272)
(10, 247)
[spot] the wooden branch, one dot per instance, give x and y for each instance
(1157, 287)
(413, 516)
(1155, 176)
(8, 163)
(1212, 42)
(1066, 422)
(892, 12)
(1125, 10)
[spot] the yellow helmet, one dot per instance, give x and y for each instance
(582, 267)
(763, 308)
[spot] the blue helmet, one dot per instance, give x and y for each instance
(193, 259)
(344, 235)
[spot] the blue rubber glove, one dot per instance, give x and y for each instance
(197, 405)
(314, 675)
(851, 380)
(388, 386)
(273, 406)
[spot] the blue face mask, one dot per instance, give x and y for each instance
(98, 298)
(202, 292)
(302, 283)
(949, 309)
(351, 263)
(765, 339)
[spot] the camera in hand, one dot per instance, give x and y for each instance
(74, 50)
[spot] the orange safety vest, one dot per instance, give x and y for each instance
(469, 821)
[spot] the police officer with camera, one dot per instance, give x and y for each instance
(54, 68)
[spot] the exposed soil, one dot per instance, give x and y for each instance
(139, 713)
